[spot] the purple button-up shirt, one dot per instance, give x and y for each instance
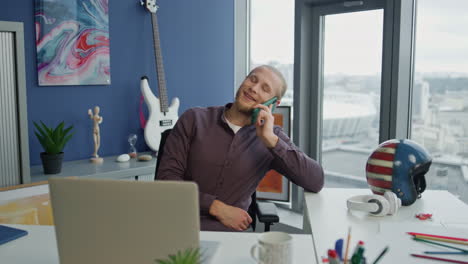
(227, 166)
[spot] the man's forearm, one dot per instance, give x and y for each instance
(216, 208)
(270, 141)
(230, 216)
(297, 166)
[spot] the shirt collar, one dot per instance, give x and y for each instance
(221, 117)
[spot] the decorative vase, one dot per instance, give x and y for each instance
(52, 163)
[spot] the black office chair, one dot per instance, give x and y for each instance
(266, 212)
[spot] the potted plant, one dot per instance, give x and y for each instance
(53, 141)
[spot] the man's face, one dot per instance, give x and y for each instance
(260, 86)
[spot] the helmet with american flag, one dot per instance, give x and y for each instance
(398, 165)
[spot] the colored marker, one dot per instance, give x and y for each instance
(339, 248)
(358, 253)
(333, 257)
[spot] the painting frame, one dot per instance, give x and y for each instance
(72, 42)
(283, 195)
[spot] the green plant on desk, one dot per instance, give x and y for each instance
(189, 256)
(53, 140)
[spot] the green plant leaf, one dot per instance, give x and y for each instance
(67, 130)
(56, 133)
(51, 148)
(189, 256)
(64, 142)
(40, 130)
(41, 140)
(53, 140)
(46, 128)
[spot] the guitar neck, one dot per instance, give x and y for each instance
(159, 66)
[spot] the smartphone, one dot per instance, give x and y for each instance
(267, 103)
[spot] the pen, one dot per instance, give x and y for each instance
(441, 259)
(446, 252)
(381, 255)
(444, 237)
(442, 240)
(347, 246)
(439, 244)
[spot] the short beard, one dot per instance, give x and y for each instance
(242, 109)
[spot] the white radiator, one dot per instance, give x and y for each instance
(14, 141)
(10, 166)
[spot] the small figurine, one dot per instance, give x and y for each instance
(132, 139)
(97, 119)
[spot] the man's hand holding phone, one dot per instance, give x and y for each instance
(264, 125)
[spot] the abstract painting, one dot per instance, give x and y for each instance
(72, 42)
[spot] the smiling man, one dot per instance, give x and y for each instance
(227, 156)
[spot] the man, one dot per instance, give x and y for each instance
(219, 149)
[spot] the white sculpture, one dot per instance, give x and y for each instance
(97, 119)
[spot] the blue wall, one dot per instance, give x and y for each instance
(197, 42)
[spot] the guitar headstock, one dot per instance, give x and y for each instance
(150, 5)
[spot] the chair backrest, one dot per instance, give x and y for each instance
(252, 211)
(164, 136)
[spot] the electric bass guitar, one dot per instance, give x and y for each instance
(162, 116)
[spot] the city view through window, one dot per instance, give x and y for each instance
(352, 83)
(440, 92)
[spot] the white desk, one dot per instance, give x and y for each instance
(327, 218)
(39, 247)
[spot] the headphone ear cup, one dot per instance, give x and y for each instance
(384, 205)
(393, 201)
(361, 203)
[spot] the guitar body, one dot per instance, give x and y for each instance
(158, 121)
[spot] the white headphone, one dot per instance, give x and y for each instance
(376, 205)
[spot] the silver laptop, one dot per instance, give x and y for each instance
(111, 221)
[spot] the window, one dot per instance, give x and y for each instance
(271, 42)
(272, 39)
(352, 64)
(440, 93)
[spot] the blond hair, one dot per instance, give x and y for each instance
(283, 84)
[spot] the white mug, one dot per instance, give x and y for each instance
(273, 248)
